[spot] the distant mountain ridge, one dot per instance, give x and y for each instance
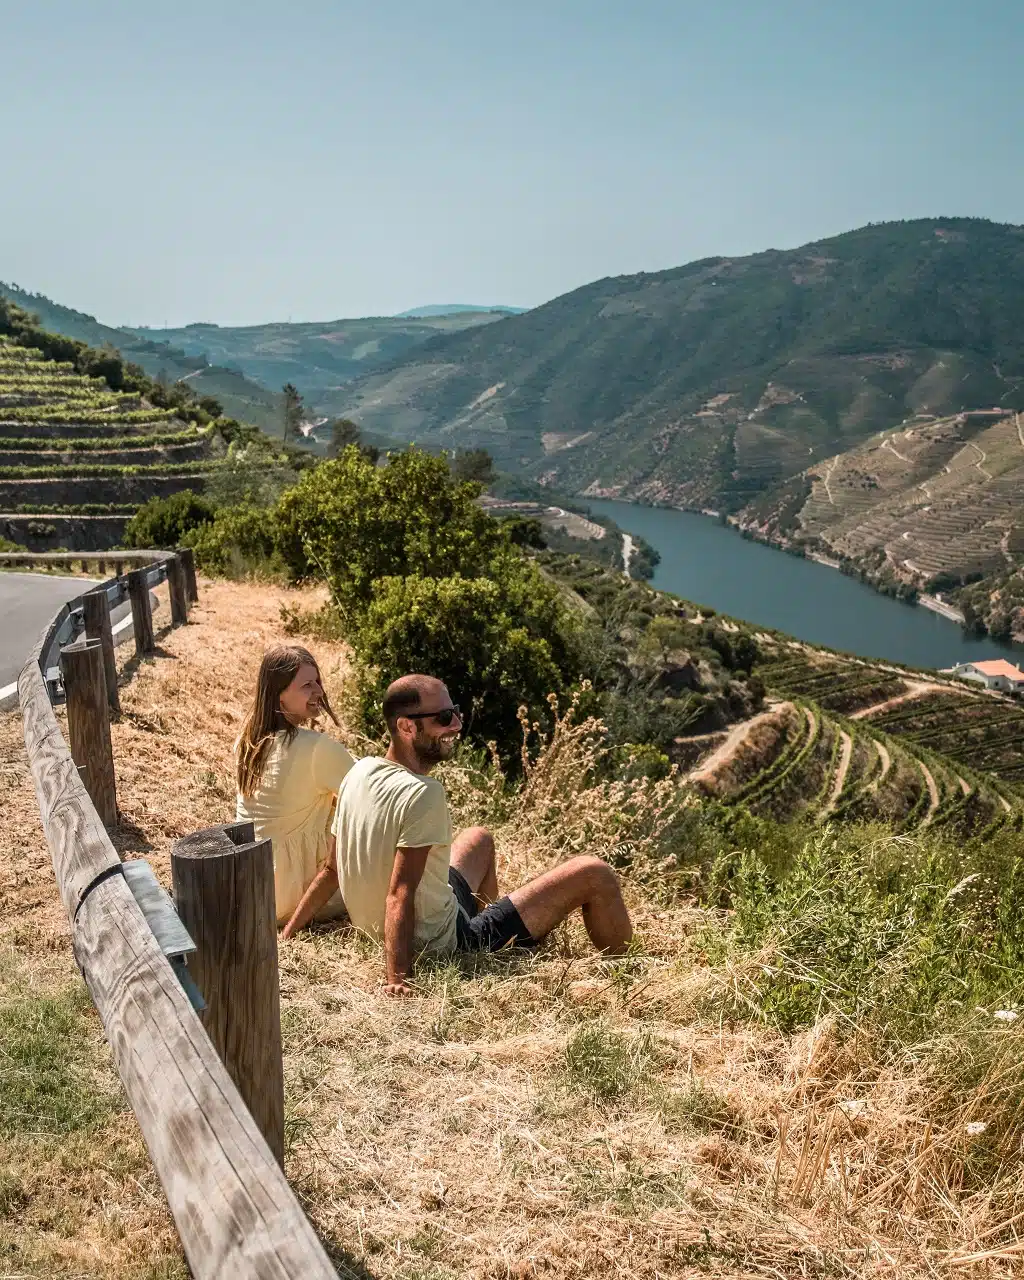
(713, 383)
(318, 356)
(454, 309)
(245, 366)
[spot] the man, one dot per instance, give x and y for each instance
(405, 880)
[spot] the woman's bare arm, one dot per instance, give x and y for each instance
(321, 889)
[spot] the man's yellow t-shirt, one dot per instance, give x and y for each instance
(383, 807)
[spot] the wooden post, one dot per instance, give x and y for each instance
(176, 590)
(142, 614)
(188, 562)
(224, 893)
(96, 608)
(85, 684)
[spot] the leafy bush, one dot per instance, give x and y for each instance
(424, 580)
(359, 523)
(164, 522)
(495, 643)
(239, 540)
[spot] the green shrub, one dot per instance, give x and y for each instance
(163, 522)
(495, 643)
(239, 540)
(358, 523)
(891, 932)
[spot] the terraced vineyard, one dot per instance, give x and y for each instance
(912, 752)
(77, 457)
(981, 733)
(974, 729)
(937, 498)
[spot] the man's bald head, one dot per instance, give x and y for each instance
(410, 693)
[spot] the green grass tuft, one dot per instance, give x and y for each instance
(605, 1065)
(46, 1062)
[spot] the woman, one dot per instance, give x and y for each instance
(288, 776)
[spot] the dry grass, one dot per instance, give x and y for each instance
(554, 1114)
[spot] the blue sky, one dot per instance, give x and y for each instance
(242, 162)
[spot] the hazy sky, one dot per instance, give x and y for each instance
(241, 162)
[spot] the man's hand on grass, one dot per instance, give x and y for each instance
(397, 989)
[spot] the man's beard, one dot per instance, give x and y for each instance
(431, 751)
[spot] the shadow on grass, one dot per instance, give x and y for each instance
(129, 837)
(136, 660)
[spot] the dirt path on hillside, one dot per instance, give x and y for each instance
(915, 689)
(723, 754)
(933, 793)
(886, 759)
(845, 755)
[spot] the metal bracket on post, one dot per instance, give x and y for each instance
(171, 935)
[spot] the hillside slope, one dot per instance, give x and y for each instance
(318, 357)
(239, 396)
(714, 382)
(85, 440)
(931, 505)
(757, 1091)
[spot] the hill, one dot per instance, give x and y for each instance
(809, 1064)
(318, 357)
(455, 308)
(240, 397)
(835, 737)
(935, 504)
(86, 439)
(715, 382)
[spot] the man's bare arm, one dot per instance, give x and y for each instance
(400, 917)
(321, 889)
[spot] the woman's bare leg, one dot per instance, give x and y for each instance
(587, 883)
(473, 858)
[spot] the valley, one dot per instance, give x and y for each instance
(935, 504)
(707, 560)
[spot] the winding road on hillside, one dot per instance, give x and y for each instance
(27, 603)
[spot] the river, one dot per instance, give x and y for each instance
(711, 564)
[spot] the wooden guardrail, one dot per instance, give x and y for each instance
(235, 1213)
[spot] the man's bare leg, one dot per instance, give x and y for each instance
(473, 857)
(587, 883)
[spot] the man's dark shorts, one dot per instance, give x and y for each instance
(499, 925)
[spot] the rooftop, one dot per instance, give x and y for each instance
(998, 667)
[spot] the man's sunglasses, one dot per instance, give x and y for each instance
(443, 718)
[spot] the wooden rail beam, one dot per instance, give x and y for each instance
(237, 1217)
(234, 1210)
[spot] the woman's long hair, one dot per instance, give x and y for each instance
(265, 718)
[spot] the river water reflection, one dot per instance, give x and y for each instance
(710, 563)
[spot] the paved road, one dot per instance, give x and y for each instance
(27, 603)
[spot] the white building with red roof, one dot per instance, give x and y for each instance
(995, 673)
